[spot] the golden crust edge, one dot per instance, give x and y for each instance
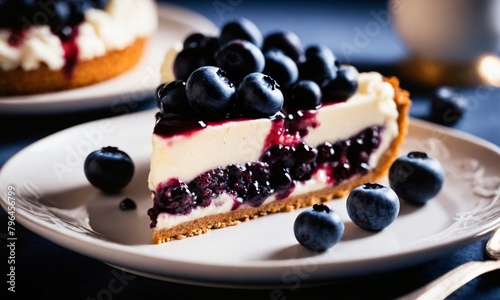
(205, 224)
(43, 80)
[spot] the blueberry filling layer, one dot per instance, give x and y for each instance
(278, 171)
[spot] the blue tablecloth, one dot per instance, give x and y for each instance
(48, 271)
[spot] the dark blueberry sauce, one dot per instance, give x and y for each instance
(277, 172)
(171, 124)
(16, 37)
(70, 53)
(287, 128)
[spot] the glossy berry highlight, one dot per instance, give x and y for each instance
(171, 98)
(259, 96)
(210, 92)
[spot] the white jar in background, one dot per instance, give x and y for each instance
(450, 42)
(450, 31)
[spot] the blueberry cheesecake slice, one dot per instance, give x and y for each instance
(48, 46)
(230, 146)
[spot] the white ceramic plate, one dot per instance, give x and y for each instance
(125, 90)
(53, 198)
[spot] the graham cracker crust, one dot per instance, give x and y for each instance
(44, 80)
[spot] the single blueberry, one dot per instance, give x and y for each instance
(447, 106)
(208, 45)
(210, 93)
(194, 40)
(171, 98)
(280, 67)
(372, 206)
(61, 17)
(127, 204)
(319, 228)
(342, 87)
(241, 29)
(304, 94)
(286, 41)
(109, 169)
(323, 53)
(188, 60)
(320, 65)
(240, 58)
(210, 48)
(416, 177)
(259, 96)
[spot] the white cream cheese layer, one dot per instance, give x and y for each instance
(114, 28)
(187, 156)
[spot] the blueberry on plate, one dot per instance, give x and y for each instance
(304, 94)
(286, 41)
(171, 98)
(259, 96)
(127, 204)
(210, 93)
(239, 58)
(280, 67)
(241, 29)
(447, 106)
(416, 177)
(372, 206)
(109, 169)
(343, 86)
(319, 228)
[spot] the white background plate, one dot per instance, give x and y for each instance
(53, 199)
(136, 85)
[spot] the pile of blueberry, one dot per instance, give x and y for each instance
(242, 73)
(60, 15)
(415, 178)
